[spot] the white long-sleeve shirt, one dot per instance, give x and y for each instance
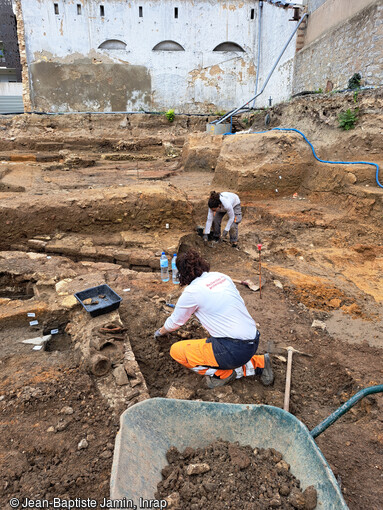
(216, 302)
(229, 201)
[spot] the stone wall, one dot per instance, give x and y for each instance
(8, 36)
(355, 46)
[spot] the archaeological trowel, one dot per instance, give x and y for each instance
(248, 283)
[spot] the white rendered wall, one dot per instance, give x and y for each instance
(195, 80)
(275, 32)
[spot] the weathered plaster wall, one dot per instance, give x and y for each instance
(8, 36)
(69, 72)
(355, 45)
(85, 86)
(327, 14)
(276, 29)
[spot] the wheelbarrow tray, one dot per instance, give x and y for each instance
(105, 300)
(149, 428)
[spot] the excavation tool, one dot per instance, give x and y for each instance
(248, 283)
(148, 429)
(259, 246)
(290, 352)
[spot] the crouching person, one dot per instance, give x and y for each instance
(229, 352)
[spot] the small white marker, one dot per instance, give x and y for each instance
(126, 290)
(37, 347)
(167, 225)
(280, 177)
(31, 314)
(49, 257)
(33, 323)
(276, 191)
(54, 331)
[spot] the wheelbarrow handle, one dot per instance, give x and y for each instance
(344, 408)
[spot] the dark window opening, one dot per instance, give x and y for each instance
(168, 46)
(102, 10)
(176, 12)
(56, 6)
(252, 14)
(228, 46)
(140, 12)
(78, 8)
(112, 44)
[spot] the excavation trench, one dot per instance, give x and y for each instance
(80, 224)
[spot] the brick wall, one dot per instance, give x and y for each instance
(353, 46)
(8, 36)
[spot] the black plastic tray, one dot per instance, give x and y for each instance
(108, 302)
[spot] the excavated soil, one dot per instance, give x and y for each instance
(102, 220)
(235, 476)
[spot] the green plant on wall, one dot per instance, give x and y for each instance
(354, 81)
(170, 115)
(348, 119)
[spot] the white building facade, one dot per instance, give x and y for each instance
(191, 56)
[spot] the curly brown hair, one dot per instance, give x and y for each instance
(190, 266)
(214, 200)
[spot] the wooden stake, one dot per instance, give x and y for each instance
(259, 246)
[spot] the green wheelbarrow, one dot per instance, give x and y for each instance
(149, 428)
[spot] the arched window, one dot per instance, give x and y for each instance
(112, 44)
(168, 46)
(228, 46)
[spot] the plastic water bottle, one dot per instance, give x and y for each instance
(164, 263)
(175, 277)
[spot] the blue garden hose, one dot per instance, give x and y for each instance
(322, 160)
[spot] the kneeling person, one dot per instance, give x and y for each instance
(229, 352)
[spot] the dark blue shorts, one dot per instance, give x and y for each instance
(232, 353)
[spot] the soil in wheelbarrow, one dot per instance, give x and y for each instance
(235, 476)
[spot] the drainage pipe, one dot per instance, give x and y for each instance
(233, 112)
(259, 48)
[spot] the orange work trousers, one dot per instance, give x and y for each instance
(197, 355)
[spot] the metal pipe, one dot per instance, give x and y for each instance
(259, 48)
(233, 112)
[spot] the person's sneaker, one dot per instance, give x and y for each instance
(214, 382)
(267, 376)
(234, 245)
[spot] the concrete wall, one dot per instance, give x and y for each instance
(354, 45)
(8, 36)
(69, 72)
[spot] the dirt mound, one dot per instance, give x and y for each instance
(233, 475)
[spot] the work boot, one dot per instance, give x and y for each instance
(267, 377)
(213, 381)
